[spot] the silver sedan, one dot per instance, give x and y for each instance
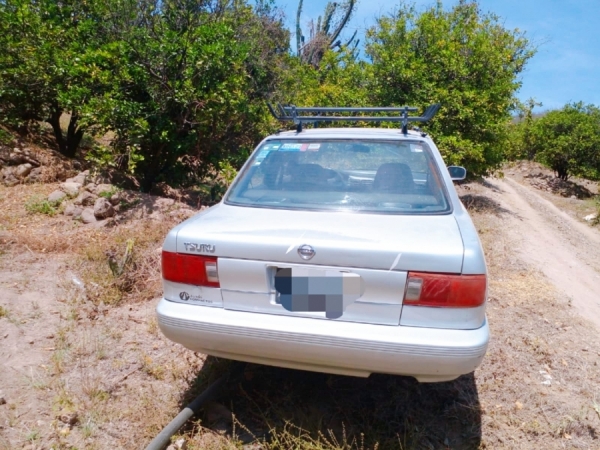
(344, 251)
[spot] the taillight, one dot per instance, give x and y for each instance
(445, 291)
(196, 270)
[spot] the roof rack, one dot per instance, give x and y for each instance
(294, 114)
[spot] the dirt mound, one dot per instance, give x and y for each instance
(22, 162)
(544, 179)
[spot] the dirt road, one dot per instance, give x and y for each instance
(563, 249)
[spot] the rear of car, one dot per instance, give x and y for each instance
(336, 250)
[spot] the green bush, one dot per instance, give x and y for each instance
(568, 140)
(40, 205)
(463, 59)
(5, 137)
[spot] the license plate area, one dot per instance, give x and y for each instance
(310, 290)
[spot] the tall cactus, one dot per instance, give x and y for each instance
(322, 37)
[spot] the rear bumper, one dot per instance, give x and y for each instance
(329, 346)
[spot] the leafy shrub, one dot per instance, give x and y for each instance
(461, 58)
(41, 205)
(5, 137)
(223, 180)
(108, 194)
(568, 140)
(175, 118)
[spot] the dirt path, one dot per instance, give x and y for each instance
(566, 251)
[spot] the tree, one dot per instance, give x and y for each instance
(324, 35)
(520, 144)
(50, 49)
(568, 140)
(461, 58)
(190, 87)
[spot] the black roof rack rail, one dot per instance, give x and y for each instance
(314, 114)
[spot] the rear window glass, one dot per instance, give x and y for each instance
(370, 176)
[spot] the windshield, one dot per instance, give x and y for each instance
(356, 175)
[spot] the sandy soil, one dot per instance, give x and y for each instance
(565, 250)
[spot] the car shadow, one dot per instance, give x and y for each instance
(487, 183)
(483, 203)
(382, 411)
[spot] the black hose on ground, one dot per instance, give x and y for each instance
(164, 437)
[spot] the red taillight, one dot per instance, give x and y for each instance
(445, 291)
(190, 269)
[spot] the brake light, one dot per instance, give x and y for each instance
(445, 291)
(196, 270)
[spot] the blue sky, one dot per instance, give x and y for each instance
(566, 67)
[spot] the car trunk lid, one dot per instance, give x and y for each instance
(252, 244)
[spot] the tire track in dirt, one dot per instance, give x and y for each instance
(566, 251)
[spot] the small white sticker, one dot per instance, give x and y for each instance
(415, 148)
(261, 156)
(290, 147)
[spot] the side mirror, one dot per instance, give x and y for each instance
(457, 173)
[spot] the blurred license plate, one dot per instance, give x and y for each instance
(317, 290)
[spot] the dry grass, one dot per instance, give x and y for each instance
(25, 226)
(140, 278)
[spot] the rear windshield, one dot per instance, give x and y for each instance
(398, 177)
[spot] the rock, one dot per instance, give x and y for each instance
(17, 157)
(115, 200)
(71, 188)
(90, 187)
(23, 170)
(590, 217)
(179, 444)
(103, 188)
(10, 180)
(87, 215)
(4, 155)
(85, 198)
(56, 197)
(69, 418)
(81, 177)
(103, 209)
(73, 210)
(2, 401)
(35, 176)
(6, 171)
